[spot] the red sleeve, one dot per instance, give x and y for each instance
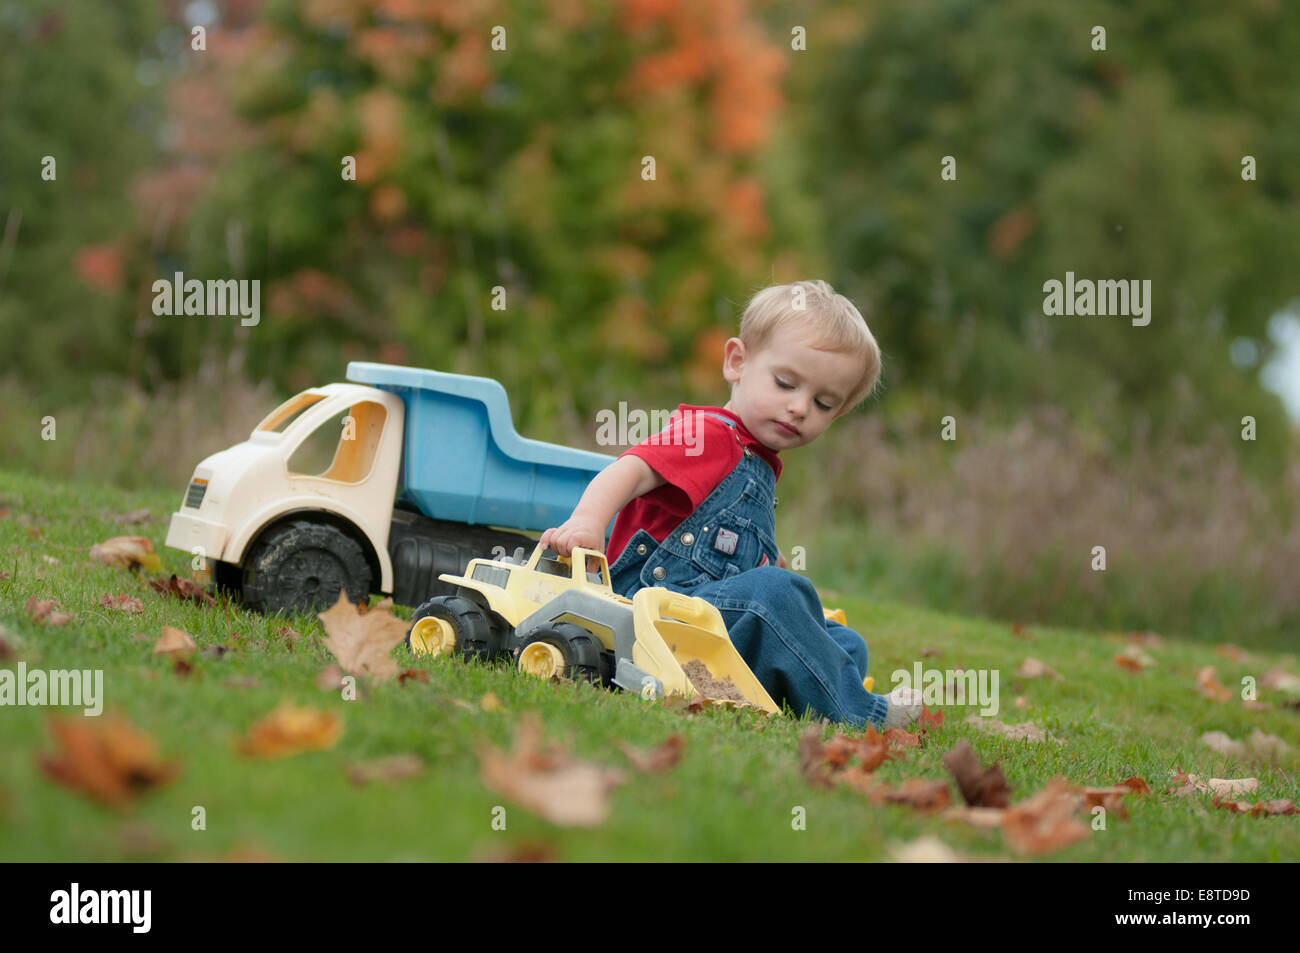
(694, 459)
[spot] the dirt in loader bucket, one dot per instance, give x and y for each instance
(720, 689)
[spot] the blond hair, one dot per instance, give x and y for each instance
(835, 323)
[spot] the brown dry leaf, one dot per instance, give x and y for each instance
(984, 817)
(330, 680)
(549, 782)
(980, 787)
(899, 738)
(106, 759)
(392, 768)
(1149, 639)
(1231, 787)
(1136, 785)
(871, 750)
(1280, 680)
(1046, 821)
(408, 675)
(127, 552)
(174, 642)
(46, 612)
(1220, 742)
(1208, 684)
(924, 796)
(930, 719)
(362, 639)
(812, 758)
(520, 854)
(1022, 701)
(1233, 653)
(122, 603)
(658, 760)
(490, 703)
(289, 730)
(930, 653)
(1134, 659)
(289, 635)
(1033, 668)
(1024, 731)
(1184, 784)
(1110, 798)
(1258, 809)
(926, 850)
(185, 589)
(1264, 746)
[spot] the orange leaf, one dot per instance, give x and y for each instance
(362, 639)
(660, 759)
(1046, 821)
(127, 552)
(175, 642)
(107, 759)
(979, 786)
(289, 730)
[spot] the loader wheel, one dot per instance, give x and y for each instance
(563, 650)
(304, 565)
(452, 624)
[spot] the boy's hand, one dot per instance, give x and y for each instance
(575, 531)
(780, 559)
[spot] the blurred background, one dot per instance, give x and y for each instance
(521, 168)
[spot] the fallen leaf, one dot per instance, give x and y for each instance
(1018, 630)
(1134, 659)
(183, 667)
(289, 730)
(1033, 668)
(980, 787)
(362, 639)
(175, 642)
(930, 719)
(1265, 746)
(520, 854)
(1136, 785)
(917, 793)
(1231, 787)
(1184, 784)
(1024, 731)
(658, 760)
(1022, 701)
(46, 612)
(1220, 742)
(984, 817)
(289, 635)
(1149, 639)
(552, 784)
(409, 675)
(930, 653)
(490, 702)
(106, 759)
(1208, 684)
(1110, 798)
(1276, 679)
(812, 759)
(900, 738)
(925, 850)
(1233, 653)
(392, 768)
(1045, 822)
(127, 552)
(331, 679)
(122, 603)
(1258, 809)
(185, 589)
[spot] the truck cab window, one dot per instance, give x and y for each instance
(342, 448)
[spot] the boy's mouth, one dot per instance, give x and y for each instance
(787, 428)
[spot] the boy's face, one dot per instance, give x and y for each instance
(788, 392)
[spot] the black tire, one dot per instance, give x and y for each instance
(583, 654)
(476, 637)
(303, 565)
(227, 579)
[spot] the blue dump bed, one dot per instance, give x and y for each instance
(463, 461)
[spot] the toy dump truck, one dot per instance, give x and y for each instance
(558, 616)
(379, 485)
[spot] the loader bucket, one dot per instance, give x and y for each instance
(673, 630)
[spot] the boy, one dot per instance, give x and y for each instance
(696, 502)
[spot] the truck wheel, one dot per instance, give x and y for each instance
(563, 650)
(304, 565)
(452, 624)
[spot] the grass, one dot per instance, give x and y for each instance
(730, 798)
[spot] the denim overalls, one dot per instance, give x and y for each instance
(725, 552)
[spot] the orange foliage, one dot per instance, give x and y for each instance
(100, 266)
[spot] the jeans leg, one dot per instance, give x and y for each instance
(850, 642)
(775, 621)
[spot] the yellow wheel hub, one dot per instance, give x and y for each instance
(542, 659)
(432, 636)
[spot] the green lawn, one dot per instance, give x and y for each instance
(731, 797)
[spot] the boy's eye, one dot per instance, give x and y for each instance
(783, 385)
(823, 406)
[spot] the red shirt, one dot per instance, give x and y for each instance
(694, 453)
